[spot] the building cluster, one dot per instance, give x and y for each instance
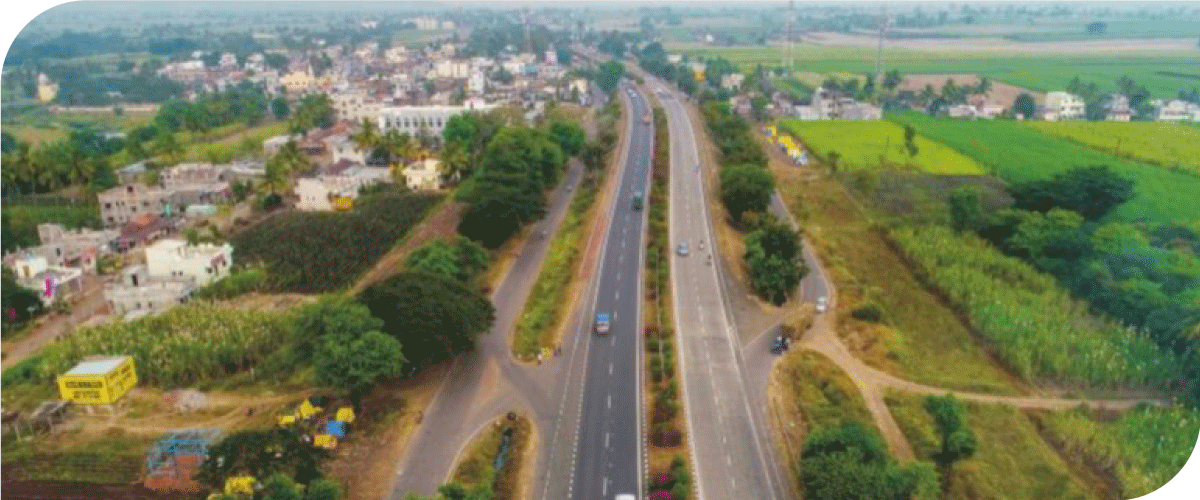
(1063, 106)
(833, 105)
(173, 271)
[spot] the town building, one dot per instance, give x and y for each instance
(172, 258)
(272, 145)
(74, 247)
(733, 82)
(423, 174)
(196, 183)
(354, 107)
(51, 282)
(414, 120)
(143, 229)
(131, 173)
(1063, 106)
(122, 204)
(337, 186)
(1176, 110)
(1117, 109)
(138, 294)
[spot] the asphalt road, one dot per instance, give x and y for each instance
(608, 449)
(728, 451)
(813, 285)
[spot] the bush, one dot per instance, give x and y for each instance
(868, 311)
(665, 435)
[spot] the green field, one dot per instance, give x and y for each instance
(1173, 145)
(1035, 71)
(1012, 460)
(868, 144)
(1145, 447)
(1019, 153)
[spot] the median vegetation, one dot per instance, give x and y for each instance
(544, 310)
(503, 443)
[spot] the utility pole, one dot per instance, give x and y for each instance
(790, 19)
(525, 19)
(883, 22)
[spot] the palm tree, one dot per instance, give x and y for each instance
(78, 168)
(275, 178)
(399, 147)
(367, 138)
(46, 169)
(292, 159)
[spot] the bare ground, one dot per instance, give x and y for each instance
(1001, 93)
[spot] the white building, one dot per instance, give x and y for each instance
(318, 193)
(395, 55)
(1117, 109)
(139, 294)
(432, 119)
(36, 273)
(733, 82)
(449, 68)
(423, 174)
(228, 60)
(1177, 111)
(344, 149)
(75, 247)
(477, 83)
(196, 182)
(206, 262)
(354, 107)
(1064, 105)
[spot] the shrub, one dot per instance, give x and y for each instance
(665, 435)
(868, 311)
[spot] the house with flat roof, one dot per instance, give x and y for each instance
(172, 258)
(122, 204)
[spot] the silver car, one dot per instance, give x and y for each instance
(682, 250)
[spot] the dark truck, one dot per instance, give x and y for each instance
(637, 200)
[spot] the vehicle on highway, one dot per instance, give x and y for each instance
(602, 323)
(682, 250)
(625, 496)
(637, 200)
(779, 345)
(646, 117)
(822, 304)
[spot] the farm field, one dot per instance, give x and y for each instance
(1172, 145)
(866, 144)
(1036, 327)
(1019, 153)
(1145, 447)
(995, 471)
(1039, 72)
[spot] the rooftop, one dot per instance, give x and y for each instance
(97, 366)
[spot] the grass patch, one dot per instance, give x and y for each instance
(1012, 461)
(921, 339)
(24, 219)
(543, 311)
(1143, 448)
(69, 455)
(476, 466)
(1171, 145)
(1027, 154)
(867, 145)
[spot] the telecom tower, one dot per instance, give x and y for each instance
(883, 22)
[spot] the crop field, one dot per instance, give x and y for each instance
(1036, 327)
(1145, 447)
(1161, 74)
(868, 144)
(1012, 460)
(1172, 145)
(1018, 153)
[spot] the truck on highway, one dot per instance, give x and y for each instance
(602, 323)
(637, 200)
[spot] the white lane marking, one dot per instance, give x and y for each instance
(728, 461)
(610, 365)
(618, 277)
(612, 341)
(622, 243)
(609, 405)
(618, 295)
(607, 435)
(604, 487)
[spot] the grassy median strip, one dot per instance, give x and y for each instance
(669, 473)
(477, 466)
(544, 309)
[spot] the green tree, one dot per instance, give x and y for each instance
(773, 255)
(609, 75)
(278, 62)
(433, 317)
(568, 136)
(1025, 106)
(1092, 191)
(497, 211)
(892, 80)
(758, 107)
(966, 210)
(850, 462)
(20, 304)
(323, 489)
(833, 159)
(910, 140)
(958, 440)
(367, 138)
(279, 108)
(280, 487)
(355, 363)
(593, 155)
(260, 453)
(330, 316)
(746, 188)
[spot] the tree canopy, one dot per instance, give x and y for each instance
(746, 188)
(433, 316)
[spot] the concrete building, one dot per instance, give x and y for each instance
(122, 204)
(138, 294)
(205, 263)
(423, 174)
(354, 107)
(432, 119)
(1174, 110)
(1117, 109)
(74, 247)
(733, 82)
(344, 149)
(131, 173)
(38, 274)
(143, 229)
(194, 183)
(1064, 106)
(298, 81)
(343, 182)
(272, 145)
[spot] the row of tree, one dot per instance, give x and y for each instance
(1145, 275)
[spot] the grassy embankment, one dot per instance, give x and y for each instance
(1019, 153)
(476, 465)
(1012, 461)
(544, 313)
(919, 337)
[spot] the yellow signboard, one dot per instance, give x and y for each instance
(99, 381)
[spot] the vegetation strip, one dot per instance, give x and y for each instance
(668, 468)
(476, 469)
(535, 330)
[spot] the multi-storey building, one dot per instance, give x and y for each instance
(139, 294)
(205, 263)
(1064, 105)
(122, 204)
(431, 120)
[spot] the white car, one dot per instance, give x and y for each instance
(822, 304)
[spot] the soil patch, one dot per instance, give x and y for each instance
(1001, 93)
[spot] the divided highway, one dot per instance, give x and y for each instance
(608, 447)
(729, 453)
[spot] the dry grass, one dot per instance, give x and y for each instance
(920, 339)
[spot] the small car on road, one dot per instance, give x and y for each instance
(682, 250)
(602, 323)
(779, 344)
(822, 304)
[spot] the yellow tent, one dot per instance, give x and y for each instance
(308, 410)
(345, 414)
(239, 485)
(325, 441)
(286, 420)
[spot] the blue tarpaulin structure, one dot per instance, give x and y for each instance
(335, 428)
